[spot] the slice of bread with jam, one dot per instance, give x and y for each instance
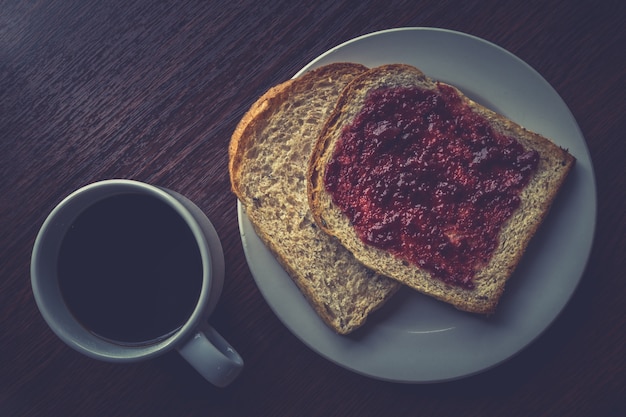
(430, 188)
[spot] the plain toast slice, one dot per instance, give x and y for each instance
(268, 160)
(489, 278)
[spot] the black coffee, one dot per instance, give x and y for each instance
(130, 269)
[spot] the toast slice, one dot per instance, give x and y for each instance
(489, 262)
(268, 159)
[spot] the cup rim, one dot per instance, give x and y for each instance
(90, 344)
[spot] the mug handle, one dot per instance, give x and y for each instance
(212, 356)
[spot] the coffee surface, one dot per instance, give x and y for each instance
(130, 269)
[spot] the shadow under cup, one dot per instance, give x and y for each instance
(123, 271)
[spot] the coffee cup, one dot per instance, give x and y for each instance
(125, 271)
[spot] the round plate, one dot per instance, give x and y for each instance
(415, 338)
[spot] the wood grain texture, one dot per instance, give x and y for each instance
(153, 90)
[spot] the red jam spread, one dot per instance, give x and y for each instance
(421, 175)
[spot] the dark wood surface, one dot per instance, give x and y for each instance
(152, 91)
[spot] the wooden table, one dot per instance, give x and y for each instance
(152, 91)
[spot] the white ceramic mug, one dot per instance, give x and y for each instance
(195, 339)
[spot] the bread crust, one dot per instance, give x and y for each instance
(536, 198)
(268, 156)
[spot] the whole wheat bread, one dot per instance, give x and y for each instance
(268, 159)
(536, 198)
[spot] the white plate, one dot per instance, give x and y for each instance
(414, 338)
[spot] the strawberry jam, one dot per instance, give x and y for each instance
(421, 175)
